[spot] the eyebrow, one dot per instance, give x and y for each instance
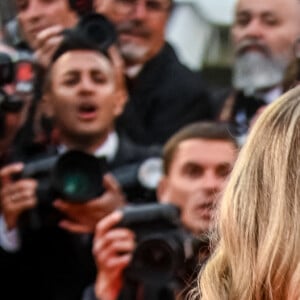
(265, 12)
(75, 71)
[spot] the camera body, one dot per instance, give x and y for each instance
(74, 176)
(162, 244)
(93, 30)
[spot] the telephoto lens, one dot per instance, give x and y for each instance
(98, 29)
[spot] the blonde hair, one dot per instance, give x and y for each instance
(258, 253)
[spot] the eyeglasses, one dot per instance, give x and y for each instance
(128, 6)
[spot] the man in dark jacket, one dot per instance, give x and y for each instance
(263, 38)
(164, 95)
(84, 99)
(196, 162)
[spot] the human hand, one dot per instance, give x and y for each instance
(119, 73)
(113, 248)
(16, 196)
(82, 218)
(48, 41)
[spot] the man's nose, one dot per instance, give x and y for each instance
(35, 9)
(140, 10)
(211, 182)
(86, 84)
(254, 29)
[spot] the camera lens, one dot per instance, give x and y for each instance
(75, 184)
(77, 176)
(98, 29)
(156, 259)
(155, 255)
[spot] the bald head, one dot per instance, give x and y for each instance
(266, 31)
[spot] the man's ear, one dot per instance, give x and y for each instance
(120, 101)
(162, 190)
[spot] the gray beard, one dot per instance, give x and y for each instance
(132, 52)
(254, 71)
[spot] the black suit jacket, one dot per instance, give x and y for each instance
(54, 264)
(165, 96)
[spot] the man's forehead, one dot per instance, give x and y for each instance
(18, 3)
(203, 142)
(266, 6)
(199, 148)
(81, 59)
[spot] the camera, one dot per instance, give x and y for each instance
(20, 73)
(81, 7)
(74, 176)
(93, 30)
(162, 244)
(18, 70)
(98, 29)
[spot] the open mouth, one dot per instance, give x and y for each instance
(205, 209)
(87, 110)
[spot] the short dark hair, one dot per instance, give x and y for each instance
(198, 130)
(84, 37)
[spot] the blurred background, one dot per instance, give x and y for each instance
(198, 29)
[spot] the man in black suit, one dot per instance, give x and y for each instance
(196, 162)
(263, 38)
(84, 99)
(164, 95)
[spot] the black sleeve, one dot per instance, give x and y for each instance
(89, 293)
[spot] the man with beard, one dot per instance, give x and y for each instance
(196, 163)
(163, 94)
(263, 36)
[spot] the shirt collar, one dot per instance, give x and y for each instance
(133, 71)
(108, 149)
(271, 95)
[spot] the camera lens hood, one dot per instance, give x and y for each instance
(98, 29)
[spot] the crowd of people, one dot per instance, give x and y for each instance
(166, 219)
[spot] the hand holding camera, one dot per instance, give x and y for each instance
(113, 249)
(142, 244)
(16, 196)
(83, 217)
(47, 41)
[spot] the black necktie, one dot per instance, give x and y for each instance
(247, 106)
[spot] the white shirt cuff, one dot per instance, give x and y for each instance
(9, 239)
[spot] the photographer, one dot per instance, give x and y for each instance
(16, 87)
(85, 94)
(197, 162)
(16, 80)
(164, 95)
(37, 30)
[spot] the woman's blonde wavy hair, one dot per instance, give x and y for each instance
(258, 252)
